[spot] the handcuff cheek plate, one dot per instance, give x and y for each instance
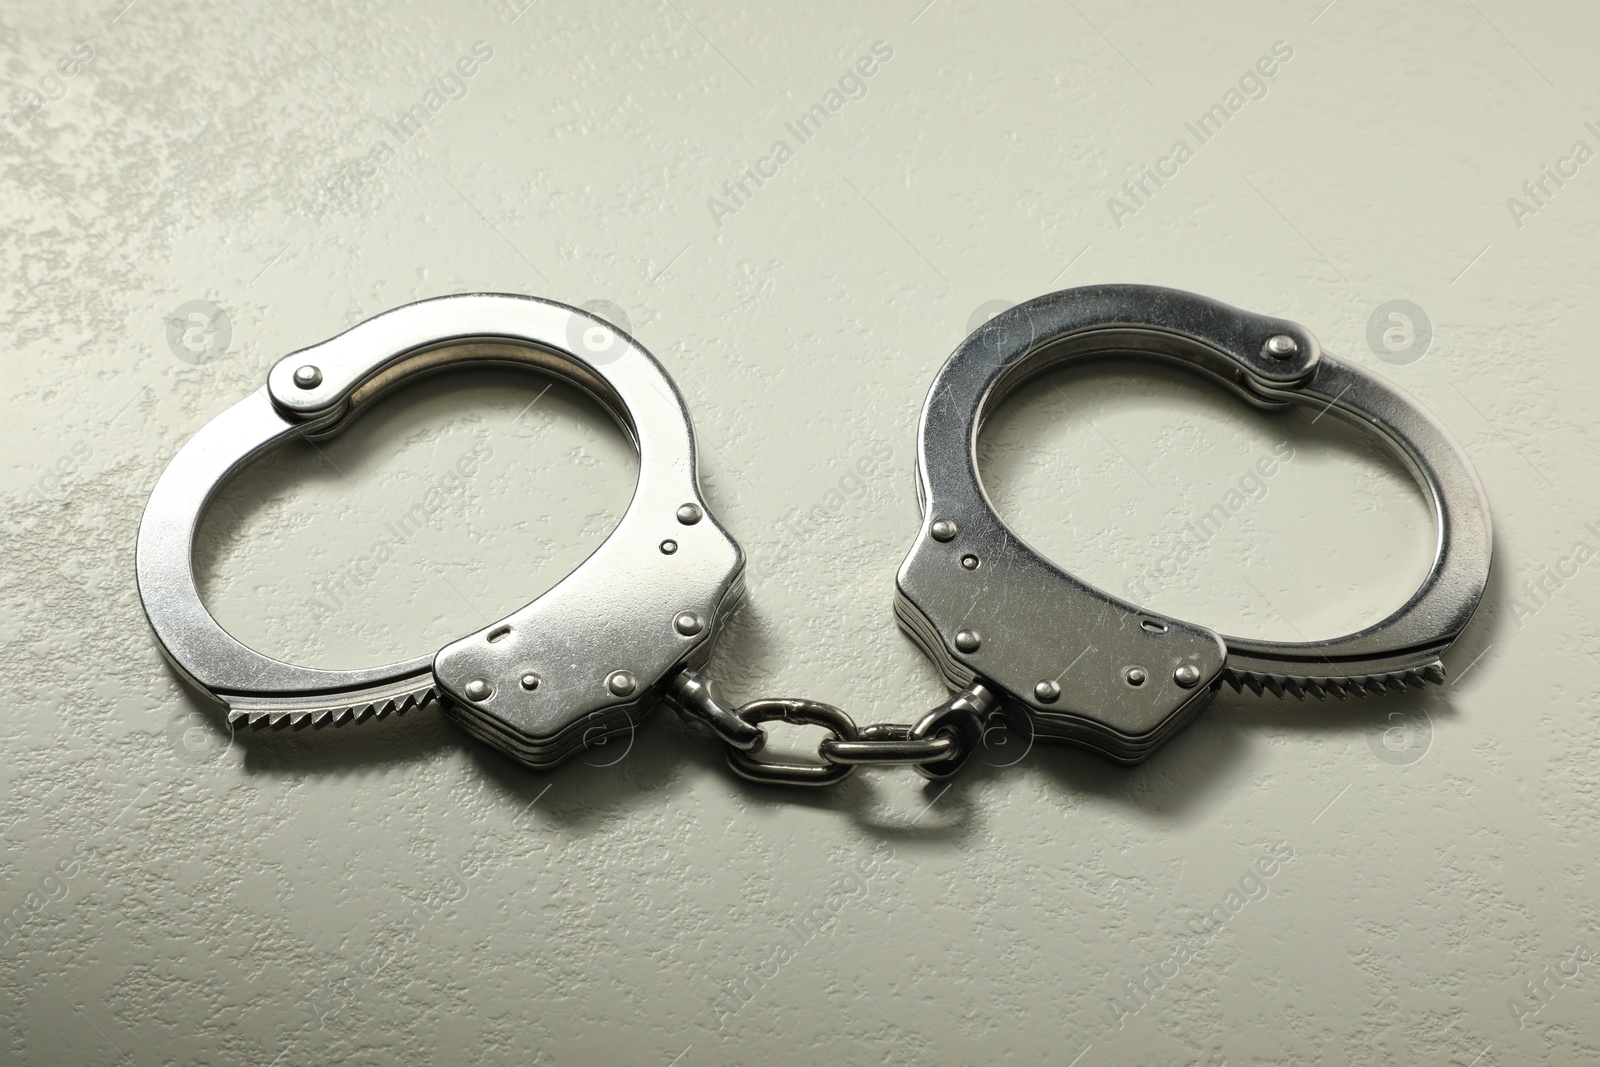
(598, 646)
(1084, 665)
(983, 604)
(615, 617)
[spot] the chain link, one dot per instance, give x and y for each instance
(888, 743)
(938, 744)
(796, 713)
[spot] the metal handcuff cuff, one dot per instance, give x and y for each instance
(1019, 640)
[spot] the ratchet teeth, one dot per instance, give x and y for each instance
(1301, 686)
(328, 709)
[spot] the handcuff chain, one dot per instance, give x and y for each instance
(936, 745)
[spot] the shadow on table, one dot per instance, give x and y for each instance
(659, 763)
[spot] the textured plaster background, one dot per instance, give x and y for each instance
(397, 893)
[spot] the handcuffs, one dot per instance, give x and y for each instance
(1019, 640)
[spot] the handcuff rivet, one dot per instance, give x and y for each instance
(1282, 346)
(1124, 726)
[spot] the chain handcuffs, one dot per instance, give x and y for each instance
(1019, 640)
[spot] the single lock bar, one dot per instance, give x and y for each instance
(1087, 667)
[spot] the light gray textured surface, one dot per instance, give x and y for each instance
(397, 893)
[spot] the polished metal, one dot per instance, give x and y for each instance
(540, 684)
(964, 717)
(1016, 636)
(699, 698)
(887, 744)
(1130, 677)
(796, 713)
(938, 744)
